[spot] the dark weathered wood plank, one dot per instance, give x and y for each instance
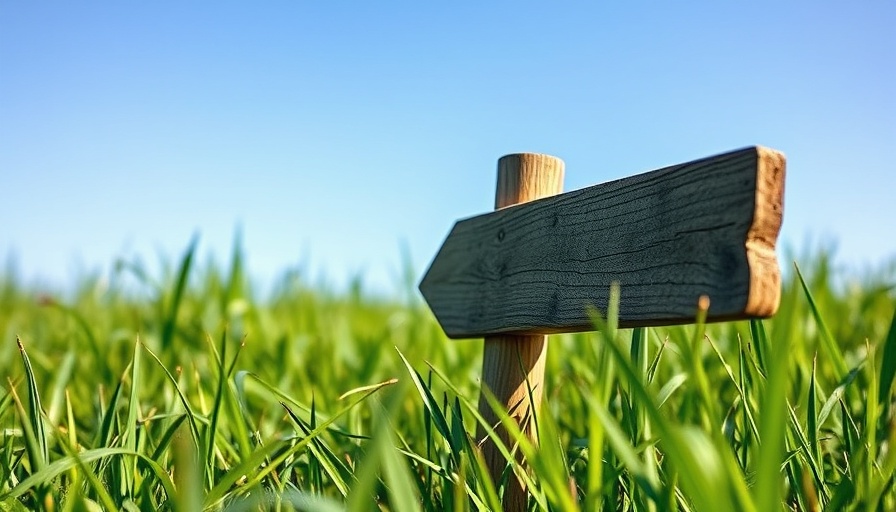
(707, 227)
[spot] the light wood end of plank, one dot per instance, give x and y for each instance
(765, 276)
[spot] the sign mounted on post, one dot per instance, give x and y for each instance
(668, 236)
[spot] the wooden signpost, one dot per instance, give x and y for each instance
(668, 237)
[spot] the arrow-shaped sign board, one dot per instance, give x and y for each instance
(668, 237)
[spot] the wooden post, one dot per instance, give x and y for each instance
(509, 361)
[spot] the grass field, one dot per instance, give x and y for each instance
(187, 391)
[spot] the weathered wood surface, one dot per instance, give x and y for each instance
(706, 227)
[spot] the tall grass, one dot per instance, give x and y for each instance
(186, 391)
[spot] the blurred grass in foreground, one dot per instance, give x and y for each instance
(190, 393)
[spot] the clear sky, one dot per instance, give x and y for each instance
(334, 133)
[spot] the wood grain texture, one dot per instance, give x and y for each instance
(513, 364)
(706, 227)
(525, 177)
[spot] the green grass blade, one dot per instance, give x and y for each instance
(811, 417)
(39, 451)
(430, 403)
(396, 476)
(130, 429)
(837, 395)
(167, 436)
(32, 446)
(884, 479)
(870, 420)
(655, 363)
(549, 462)
(830, 345)
(888, 364)
(189, 475)
(236, 276)
(239, 422)
(61, 378)
(808, 453)
(191, 417)
(212, 430)
(169, 323)
(768, 489)
(758, 335)
(665, 392)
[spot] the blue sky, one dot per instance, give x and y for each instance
(335, 133)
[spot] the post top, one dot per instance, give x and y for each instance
(530, 155)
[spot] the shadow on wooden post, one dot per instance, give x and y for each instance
(510, 360)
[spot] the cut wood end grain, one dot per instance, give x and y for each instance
(765, 276)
